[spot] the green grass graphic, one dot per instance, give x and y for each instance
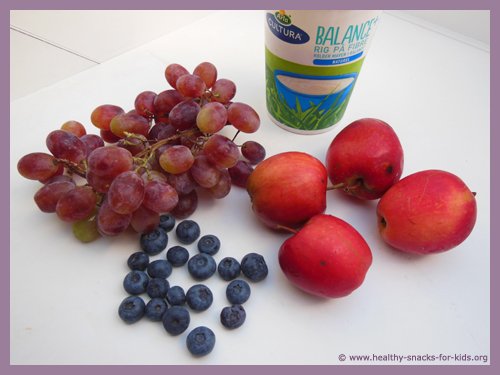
(311, 119)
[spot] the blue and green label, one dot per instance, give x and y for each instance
(313, 59)
(303, 110)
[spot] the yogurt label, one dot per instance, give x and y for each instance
(313, 59)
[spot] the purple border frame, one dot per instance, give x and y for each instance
(7, 5)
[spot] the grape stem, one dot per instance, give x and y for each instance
(149, 151)
(238, 132)
(78, 169)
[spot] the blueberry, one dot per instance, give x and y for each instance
(201, 266)
(199, 297)
(131, 309)
(229, 268)
(154, 242)
(177, 256)
(187, 231)
(136, 282)
(238, 292)
(138, 261)
(176, 320)
(157, 287)
(160, 268)
(233, 316)
(254, 267)
(200, 341)
(167, 222)
(176, 296)
(155, 309)
(209, 244)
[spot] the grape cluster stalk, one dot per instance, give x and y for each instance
(151, 160)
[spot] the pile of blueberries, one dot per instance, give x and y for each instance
(170, 304)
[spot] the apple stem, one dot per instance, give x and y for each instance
(336, 186)
(287, 229)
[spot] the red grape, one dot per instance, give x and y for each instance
(152, 175)
(100, 184)
(109, 161)
(176, 159)
(221, 151)
(183, 115)
(144, 220)
(253, 151)
(223, 90)
(38, 166)
(111, 223)
(126, 192)
(129, 123)
(108, 136)
(165, 101)
(101, 116)
(173, 72)
(191, 86)
(240, 173)
(48, 195)
(243, 117)
(76, 204)
(160, 196)
(74, 127)
(144, 104)
(67, 146)
(223, 187)
(211, 118)
(207, 72)
(57, 178)
(166, 131)
(183, 183)
(186, 206)
(91, 142)
(204, 173)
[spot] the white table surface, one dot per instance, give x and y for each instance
(433, 90)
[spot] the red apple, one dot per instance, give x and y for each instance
(327, 257)
(287, 189)
(365, 158)
(427, 212)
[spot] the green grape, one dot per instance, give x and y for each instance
(86, 230)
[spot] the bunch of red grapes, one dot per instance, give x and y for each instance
(152, 160)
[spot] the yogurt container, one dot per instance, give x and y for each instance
(313, 59)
